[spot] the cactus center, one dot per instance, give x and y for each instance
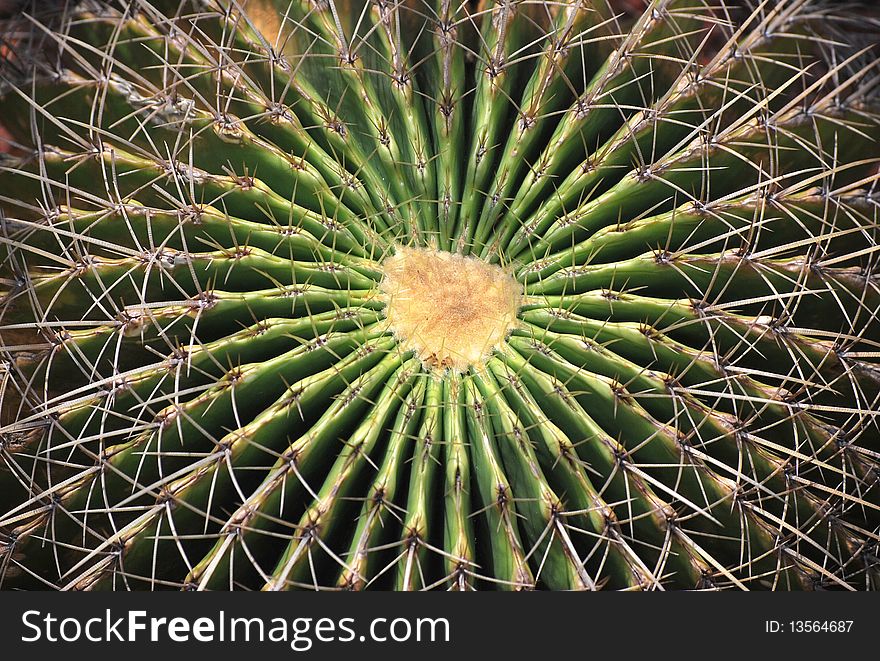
(450, 309)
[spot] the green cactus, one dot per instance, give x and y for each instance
(431, 294)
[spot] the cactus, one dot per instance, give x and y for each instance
(513, 294)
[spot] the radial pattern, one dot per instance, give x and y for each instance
(202, 388)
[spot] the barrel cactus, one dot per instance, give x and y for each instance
(414, 294)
